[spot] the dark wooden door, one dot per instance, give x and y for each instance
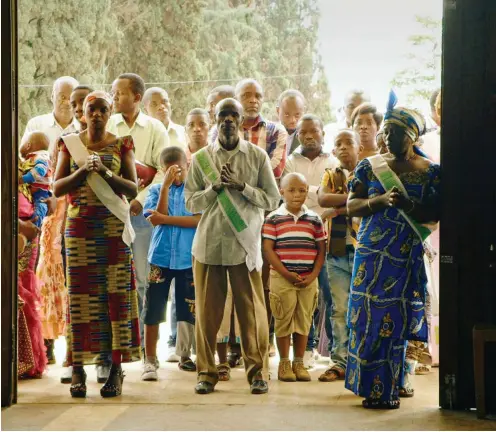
(468, 228)
(9, 197)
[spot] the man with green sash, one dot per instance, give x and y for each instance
(231, 182)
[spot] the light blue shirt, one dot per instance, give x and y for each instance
(170, 246)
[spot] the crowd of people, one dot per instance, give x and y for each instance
(263, 234)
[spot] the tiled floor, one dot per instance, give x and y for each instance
(170, 404)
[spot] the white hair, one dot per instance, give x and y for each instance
(154, 90)
(244, 82)
(64, 80)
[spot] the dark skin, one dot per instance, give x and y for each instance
(401, 159)
(294, 189)
(229, 115)
(197, 127)
(175, 173)
(346, 149)
(60, 99)
(77, 100)
(35, 142)
(96, 138)
(28, 229)
(311, 137)
(128, 104)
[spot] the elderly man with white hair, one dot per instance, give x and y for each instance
(61, 120)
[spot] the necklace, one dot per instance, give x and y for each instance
(97, 143)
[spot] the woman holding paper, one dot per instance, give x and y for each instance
(397, 196)
(96, 170)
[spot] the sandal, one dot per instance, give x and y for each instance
(406, 392)
(224, 372)
(187, 366)
(113, 386)
(78, 388)
(234, 359)
(379, 404)
(422, 369)
(332, 374)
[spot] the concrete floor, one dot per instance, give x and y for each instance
(170, 404)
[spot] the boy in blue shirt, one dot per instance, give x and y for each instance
(170, 259)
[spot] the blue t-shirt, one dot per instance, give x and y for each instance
(170, 246)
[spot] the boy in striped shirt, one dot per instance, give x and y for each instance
(294, 244)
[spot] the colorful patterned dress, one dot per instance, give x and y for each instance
(388, 290)
(103, 300)
(29, 294)
(50, 273)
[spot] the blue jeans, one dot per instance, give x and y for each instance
(325, 290)
(173, 335)
(340, 270)
(143, 230)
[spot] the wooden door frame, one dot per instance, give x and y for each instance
(467, 276)
(9, 202)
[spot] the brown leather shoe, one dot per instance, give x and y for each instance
(332, 374)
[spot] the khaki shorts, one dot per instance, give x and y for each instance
(292, 307)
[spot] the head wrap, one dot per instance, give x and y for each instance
(410, 120)
(98, 94)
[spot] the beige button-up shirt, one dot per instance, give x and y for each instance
(47, 124)
(312, 171)
(150, 138)
(215, 242)
(177, 135)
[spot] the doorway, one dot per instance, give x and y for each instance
(468, 26)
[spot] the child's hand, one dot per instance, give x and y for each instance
(294, 278)
(155, 218)
(329, 214)
(172, 173)
(306, 280)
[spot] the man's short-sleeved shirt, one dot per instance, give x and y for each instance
(295, 237)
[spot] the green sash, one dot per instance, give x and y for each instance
(389, 179)
(247, 235)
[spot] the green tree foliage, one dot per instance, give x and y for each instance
(62, 38)
(423, 73)
(185, 46)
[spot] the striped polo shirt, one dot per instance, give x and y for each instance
(295, 237)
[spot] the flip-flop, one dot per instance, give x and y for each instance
(378, 404)
(422, 370)
(406, 392)
(187, 366)
(332, 374)
(224, 372)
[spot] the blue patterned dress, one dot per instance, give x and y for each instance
(388, 289)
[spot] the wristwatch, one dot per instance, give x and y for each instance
(108, 174)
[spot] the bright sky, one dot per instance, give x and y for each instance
(363, 42)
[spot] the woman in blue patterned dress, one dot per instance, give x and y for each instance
(394, 193)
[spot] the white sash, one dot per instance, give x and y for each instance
(118, 206)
